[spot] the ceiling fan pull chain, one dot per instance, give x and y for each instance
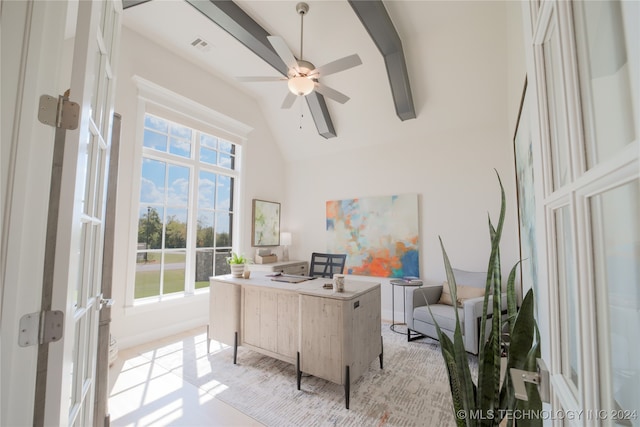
(301, 114)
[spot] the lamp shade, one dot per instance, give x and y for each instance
(285, 238)
(300, 86)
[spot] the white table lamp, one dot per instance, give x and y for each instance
(285, 241)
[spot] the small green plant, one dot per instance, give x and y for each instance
(491, 399)
(236, 259)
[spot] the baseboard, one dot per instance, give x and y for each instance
(155, 334)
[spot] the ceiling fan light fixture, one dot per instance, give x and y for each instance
(301, 86)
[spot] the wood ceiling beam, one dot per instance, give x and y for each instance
(231, 18)
(376, 21)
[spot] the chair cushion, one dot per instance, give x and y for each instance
(444, 315)
(463, 293)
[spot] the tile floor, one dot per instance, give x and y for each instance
(148, 388)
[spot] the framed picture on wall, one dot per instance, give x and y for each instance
(265, 228)
(523, 153)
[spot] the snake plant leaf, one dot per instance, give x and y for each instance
(467, 387)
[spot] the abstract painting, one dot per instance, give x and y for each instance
(379, 234)
(266, 223)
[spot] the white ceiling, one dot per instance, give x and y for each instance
(331, 31)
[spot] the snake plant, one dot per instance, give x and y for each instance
(491, 400)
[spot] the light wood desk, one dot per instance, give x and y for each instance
(333, 336)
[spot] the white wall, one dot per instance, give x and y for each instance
(447, 155)
(261, 159)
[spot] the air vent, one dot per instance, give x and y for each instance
(201, 44)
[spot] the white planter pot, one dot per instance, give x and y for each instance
(237, 270)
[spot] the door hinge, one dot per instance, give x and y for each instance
(540, 378)
(58, 112)
(41, 327)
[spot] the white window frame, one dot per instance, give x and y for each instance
(157, 100)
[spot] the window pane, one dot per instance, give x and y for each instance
(148, 276)
(604, 78)
(155, 140)
(180, 131)
(209, 141)
(568, 293)
(227, 147)
(204, 267)
(178, 186)
(208, 156)
(152, 182)
(176, 232)
(150, 227)
(223, 229)
(557, 120)
(227, 161)
(225, 192)
(156, 123)
(616, 233)
(221, 265)
(204, 237)
(206, 190)
(180, 147)
(174, 272)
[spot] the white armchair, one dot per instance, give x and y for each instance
(420, 320)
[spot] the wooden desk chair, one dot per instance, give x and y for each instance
(326, 265)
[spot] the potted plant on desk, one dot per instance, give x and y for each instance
(236, 262)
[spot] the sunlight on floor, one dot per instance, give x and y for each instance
(169, 382)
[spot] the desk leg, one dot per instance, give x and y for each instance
(381, 351)
(298, 371)
(235, 349)
(347, 386)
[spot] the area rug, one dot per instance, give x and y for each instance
(411, 390)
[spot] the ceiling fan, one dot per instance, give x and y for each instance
(302, 77)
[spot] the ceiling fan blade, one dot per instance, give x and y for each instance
(260, 79)
(338, 65)
(331, 93)
(289, 100)
(283, 51)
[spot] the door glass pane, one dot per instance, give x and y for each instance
(568, 293)
(616, 232)
(605, 84)
(559, 148)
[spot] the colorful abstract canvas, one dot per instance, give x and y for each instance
(379, 234)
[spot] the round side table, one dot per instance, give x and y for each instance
(403, 284)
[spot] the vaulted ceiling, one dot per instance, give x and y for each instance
(332, 30)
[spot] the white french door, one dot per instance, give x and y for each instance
(70, 374)
(584, 70)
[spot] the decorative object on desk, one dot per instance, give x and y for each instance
(265, 228)
(236, 262)
(338, 283)
(246, 274)
(266, 259)
(493, 393)
(380, 235)
(285, 241)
